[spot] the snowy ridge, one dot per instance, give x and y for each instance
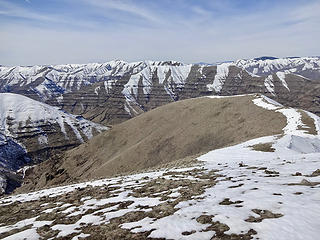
(269, 66)
(59, 79)
(28, 126)
(293, 116)
(245, 193)
(266, 103)
(305, 67)
(51, 83)
(22, 111)
(164, 73)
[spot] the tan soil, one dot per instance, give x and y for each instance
(263, 147)
(309, 122)
(159, 137)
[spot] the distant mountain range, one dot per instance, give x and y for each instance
(114, 91)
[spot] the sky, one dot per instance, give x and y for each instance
(82, 31)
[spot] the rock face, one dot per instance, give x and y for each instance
(31, 132)
(116, 91)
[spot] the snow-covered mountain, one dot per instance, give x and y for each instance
(53, 80)
(113, 91)
(31, 131)
(308, 67)
(264, 188)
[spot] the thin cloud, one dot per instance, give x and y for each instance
(127, 7)
(13, 10)
(18, 12)
(186, 32)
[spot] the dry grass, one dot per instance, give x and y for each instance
(161, 136)
(310, 126)
(263, 147)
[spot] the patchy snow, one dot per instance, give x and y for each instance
(273, 194)
(261, 192)
(21, 116)
(316, 120)
(260, 67)
(166, 74)
(43, 139)
(220, 77)
(267, 103)
(21, 110)
(51, 81)
(282, 77)
(96, 90)
(30, 234)
(293, 121)
(230, 96)
(108, 85)
(26, 234)
(268, 83)
(56, 79)
(80, 236)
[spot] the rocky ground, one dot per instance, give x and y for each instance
(266, 197)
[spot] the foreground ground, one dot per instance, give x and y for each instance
(266, 188)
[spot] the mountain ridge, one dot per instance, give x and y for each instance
(115, 91)
(31, 132)
(161, 136)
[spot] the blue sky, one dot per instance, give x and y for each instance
(81, 31)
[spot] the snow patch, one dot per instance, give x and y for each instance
(220, 77)
(268, 83)
(282, 77)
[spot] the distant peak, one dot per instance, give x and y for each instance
(263, 58)
(165, 63)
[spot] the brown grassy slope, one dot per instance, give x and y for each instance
(165, 134)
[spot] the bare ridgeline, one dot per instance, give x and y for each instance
(153, 150)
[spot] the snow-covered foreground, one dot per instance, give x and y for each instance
(266, 188)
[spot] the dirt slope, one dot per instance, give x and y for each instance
(171, 132)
